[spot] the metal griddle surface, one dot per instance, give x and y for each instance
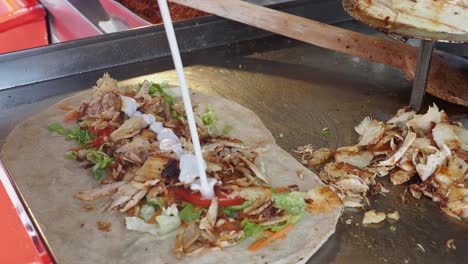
(297, 90)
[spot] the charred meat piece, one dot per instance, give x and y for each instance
(171, 170)
(152, 168)
(108, 102)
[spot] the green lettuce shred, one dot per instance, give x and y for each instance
(157, 202)
(189, 212)
(292, 202)
(157, 90)
(226, 129)
(252, 229)
(79, 135)
(71, 155)
(230, 210)
(209, 120)
(100, 160)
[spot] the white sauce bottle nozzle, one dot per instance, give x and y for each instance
(205, 190)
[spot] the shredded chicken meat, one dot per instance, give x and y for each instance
(427, 145)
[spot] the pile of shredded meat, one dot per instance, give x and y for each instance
(427, 146)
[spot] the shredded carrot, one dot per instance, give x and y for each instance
(262, 242)
(152, 219)
(270, 233)
(77, 148)
(64, 107)
(184, 224)
(229, 226)
(258, 244)
(71, 116)
(282, 190)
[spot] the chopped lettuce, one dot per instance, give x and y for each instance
(79, 135)
(168, 220)
(209, 117)
(57, 128)
(189, 212)
(291, 220)
(157, 90)
(153, 89)
(325, 132)
(292, 202)
(226, 129)
(72, 154)
(101, 160)
(149, 207)
(138, 88)
(252, 229)
(229, 210)
(209, 120)
(137, 224)
(157, 202)
(257, 231)
(146, 212)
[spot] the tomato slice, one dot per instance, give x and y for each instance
(101, 132)
(97, 142)
(197, 199)
(100, 135)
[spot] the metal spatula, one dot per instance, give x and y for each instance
(448, 78)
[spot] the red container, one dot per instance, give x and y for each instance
(20, 241)
(22, 25)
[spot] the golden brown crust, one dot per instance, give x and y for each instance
(321, 199)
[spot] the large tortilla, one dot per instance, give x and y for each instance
(48, 181)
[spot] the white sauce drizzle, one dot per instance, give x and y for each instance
(169, 141)
(129, 105)
(205, 190)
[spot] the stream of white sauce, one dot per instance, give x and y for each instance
(169, 141)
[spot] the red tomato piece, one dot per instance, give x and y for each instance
(97, 142)
(100, 135)
(101, 132)
(197, 199)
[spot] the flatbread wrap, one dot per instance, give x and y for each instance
(114, 193)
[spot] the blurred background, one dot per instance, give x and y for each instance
(31, 23)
